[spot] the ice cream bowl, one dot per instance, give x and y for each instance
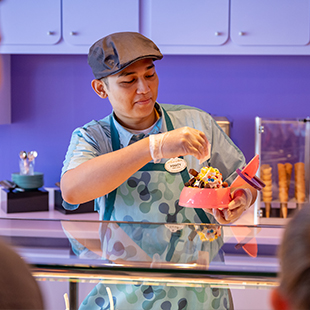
(28, 181)
(205, 198)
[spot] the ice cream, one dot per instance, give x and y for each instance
(208, 177)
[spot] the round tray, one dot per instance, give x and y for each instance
(206, 198)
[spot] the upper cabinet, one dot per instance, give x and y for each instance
(86, 21)
(30, 22)
(266, 22)
(184, 22)
(275, 27)
(66, 27)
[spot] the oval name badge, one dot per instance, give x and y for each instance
(175, 165)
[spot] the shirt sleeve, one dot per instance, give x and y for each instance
(86, 143)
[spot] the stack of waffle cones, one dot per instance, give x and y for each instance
(284, 174)
(299, 183)
(266, 176)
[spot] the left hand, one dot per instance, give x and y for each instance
(241, 201)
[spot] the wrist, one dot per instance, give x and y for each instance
(155, 146)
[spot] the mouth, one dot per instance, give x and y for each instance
(144, 101)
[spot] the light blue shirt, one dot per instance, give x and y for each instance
(94, 139)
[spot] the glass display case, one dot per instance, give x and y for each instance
(73, 256)
(284, 149)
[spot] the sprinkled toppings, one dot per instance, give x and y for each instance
(208, 177)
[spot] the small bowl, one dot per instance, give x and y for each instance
(205, 198)
(28, 182)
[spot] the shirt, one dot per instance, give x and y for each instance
(94, 139)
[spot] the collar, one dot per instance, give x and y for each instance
(125, 136)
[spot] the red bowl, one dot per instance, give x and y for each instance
(206, 198)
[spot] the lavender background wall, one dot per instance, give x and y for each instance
(51, 95)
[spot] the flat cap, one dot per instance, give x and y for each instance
(117, 51)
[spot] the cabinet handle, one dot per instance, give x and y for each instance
(50, 33)
(73, 33)
(241, 33)
(217, 33)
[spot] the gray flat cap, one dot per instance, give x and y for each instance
(117, 51)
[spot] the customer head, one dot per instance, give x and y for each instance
(294, 257)
(18, 288)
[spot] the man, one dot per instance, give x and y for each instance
(121, 160)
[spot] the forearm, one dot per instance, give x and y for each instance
(101, 175)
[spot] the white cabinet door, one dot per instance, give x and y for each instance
(30, 21)
(188, 22)
(270, 22)
(86, 21)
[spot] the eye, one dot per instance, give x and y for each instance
(128, 82)
(150, 75)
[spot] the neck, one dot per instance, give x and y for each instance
(140, 124)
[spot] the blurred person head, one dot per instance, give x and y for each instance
(293, 292)
(18, 288)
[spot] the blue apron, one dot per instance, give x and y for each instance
(152, 195)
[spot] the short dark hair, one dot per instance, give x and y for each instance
(105, 81)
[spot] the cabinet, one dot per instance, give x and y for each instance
(182, 22)
(276, 22)
(284, 149)
(86, 21)
(63, 26)
(122, 254)
(241, 27)
(30, 22)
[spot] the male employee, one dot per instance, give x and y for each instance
(120, 160)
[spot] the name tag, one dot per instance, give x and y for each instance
(175, 165)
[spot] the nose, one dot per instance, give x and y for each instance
(143, 86)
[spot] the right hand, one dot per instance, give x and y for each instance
(180, 142)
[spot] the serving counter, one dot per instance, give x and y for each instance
(73, 255)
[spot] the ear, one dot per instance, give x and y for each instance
(100, 88)
(278, 301)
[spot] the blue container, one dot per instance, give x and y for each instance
(28, 182)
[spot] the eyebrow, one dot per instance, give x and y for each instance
(124, 73)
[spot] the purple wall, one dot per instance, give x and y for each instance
(51, 95)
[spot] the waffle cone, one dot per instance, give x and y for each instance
(300, 187)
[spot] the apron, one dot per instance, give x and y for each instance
(151, 195)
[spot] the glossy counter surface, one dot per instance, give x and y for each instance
(124, 251)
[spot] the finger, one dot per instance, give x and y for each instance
(195, 151)
(200, 151)
(209, 211)
(235, 203)
(231, 216)
(219, 216)
(227, 214)
(204, 137)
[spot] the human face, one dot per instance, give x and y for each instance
(133, 93)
